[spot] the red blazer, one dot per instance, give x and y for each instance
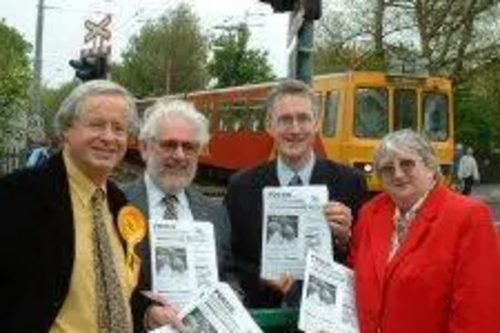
(444, 279)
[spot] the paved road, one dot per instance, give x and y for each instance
(489, 193)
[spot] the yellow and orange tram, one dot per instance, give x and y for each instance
(356, 110)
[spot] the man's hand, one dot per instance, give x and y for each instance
(283, 284)
(162, 313)
(339, 217)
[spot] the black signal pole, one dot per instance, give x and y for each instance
(300, 34)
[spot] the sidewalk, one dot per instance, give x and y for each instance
(489, 193)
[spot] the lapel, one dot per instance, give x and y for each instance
(138, 195)
(320, 175)
(197, 205)
(419, 229)
(57, 190)
(58, 220)
(380, 235)
(267, 176)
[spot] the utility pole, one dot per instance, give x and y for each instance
(300, 34)
(36, 93)
(303, 68)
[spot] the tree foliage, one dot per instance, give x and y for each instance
(234, 62)
(15, 76)
(168, 56)
(52, 99)
(460, 40)
(456, 37)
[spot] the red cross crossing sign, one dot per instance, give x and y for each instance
(98, 30)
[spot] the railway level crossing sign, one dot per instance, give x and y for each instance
(98, 30)
(99, 35)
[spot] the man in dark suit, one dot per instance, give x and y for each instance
(53, 273)
(171, 139)
(293, 123)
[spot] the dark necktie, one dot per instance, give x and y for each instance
(111, 306)
(171, 202)
(295, 181)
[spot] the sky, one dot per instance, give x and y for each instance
(64, 28)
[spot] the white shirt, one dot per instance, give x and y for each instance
(156, 205)
(285, 173)
(468, 167)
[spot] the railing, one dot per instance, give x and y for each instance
(11, 159)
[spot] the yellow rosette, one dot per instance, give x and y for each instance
(132, 228)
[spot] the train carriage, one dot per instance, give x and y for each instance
(356, 110)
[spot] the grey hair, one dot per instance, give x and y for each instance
(291, 87)
(407, 140)
(165, 109)
(74, 104)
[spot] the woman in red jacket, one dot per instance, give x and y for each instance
(426, 259)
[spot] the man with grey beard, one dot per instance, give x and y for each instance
(171, 139)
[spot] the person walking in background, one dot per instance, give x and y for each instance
(63, 265)
(172, 137)
(292, 121)
(457, 156)
(426, 259)
(38, 155)
(468, 172)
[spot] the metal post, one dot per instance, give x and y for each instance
(304, 52)
(36, 93)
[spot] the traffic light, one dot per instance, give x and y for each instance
(312, 8)
(280, 6)
(91, 67)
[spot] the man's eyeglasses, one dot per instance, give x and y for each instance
(190, 148)
(302, 120)
(405, 165)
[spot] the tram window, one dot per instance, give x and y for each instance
(405, 109)
(371, 114)
(436, 116)
(331, 113)
(258, 115)
(206, 109)
(226, 118)
(239, 113)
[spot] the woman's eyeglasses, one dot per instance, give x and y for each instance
(405, 165)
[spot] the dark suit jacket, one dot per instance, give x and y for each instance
(244, 204)
(37, 245)
(203, 209)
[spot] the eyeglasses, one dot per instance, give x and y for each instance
(302, 120)
(190, 148)
(405, 165)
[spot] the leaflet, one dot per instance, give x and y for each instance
(294, 222)
(328, 300)
(183, 259)
(218, 310)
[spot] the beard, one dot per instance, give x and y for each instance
(172, 180)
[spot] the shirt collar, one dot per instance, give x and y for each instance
(80, 184)
(156, 194)
(285, 173)
(412, 212)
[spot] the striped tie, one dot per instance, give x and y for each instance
(295, 181)
(171, 202)
(112, 309)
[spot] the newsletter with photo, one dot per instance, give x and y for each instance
(183, 259)
(328, 300)
(294, 223)
(217, 310)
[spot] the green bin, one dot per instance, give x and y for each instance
(276, 320)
